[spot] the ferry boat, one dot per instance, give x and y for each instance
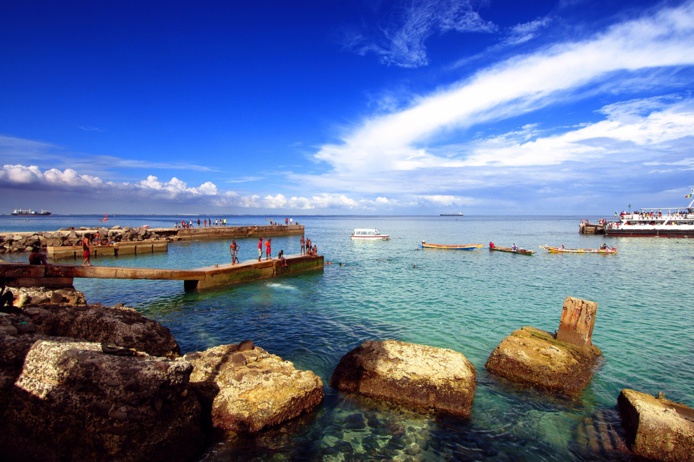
(369, 234)
(675, 222)
(29, 212)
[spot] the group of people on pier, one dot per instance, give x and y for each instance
(201, 224)
(308, 248)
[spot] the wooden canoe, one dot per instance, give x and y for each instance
(428, 245)
(551, 249)
(518, 251)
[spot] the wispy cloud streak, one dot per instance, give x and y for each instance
(413, 139)
(402, 41)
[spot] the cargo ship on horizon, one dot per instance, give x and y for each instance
(29, 212)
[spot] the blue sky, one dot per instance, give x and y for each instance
(575, 107)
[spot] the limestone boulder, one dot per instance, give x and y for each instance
(248, 389)
(657, 428)
(536, 358)
(74, 402)
(25, 296)
(122, 326)
(420, 377)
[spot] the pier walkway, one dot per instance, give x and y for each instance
(222, 275)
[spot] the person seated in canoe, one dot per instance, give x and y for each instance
(491, 245)
(514, 247)
(603, 246)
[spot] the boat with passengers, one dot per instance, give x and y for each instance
(602, 250)
(675, 222)
(369, 234)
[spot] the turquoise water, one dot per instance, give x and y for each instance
(465, 301)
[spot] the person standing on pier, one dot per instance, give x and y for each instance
(234, 250)
(302, 241)
(268, 250)
(86, 251)
(260, 248)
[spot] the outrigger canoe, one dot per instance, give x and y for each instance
(519, 251)
(427, 245)
(607, 251)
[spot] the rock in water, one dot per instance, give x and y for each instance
(248, 390)
(420, 377)
(657, 428)
(73, 402)
(534, 357)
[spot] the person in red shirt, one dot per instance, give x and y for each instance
(268, 250)
(260, 248)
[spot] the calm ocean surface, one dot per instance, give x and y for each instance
(465, 301)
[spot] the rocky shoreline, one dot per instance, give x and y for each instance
(23, 242)
(81, 382)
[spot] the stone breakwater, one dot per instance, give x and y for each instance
(67, 237)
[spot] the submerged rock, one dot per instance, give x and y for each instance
(417, 376)
(534, 357)
(248, 389)
(657, 428)
(74, 402)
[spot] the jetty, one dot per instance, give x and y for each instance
(216, 276)
(115, 241)
(113, 250)
(586, 227)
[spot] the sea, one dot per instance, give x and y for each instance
(467, 301)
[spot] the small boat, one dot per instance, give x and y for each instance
(29, 212)
(604, 251)
(459, 214)
(428, 245)
(369, 234)
(517, 250)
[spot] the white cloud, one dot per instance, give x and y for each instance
(401, 42)
(525, 32)
(410, 140)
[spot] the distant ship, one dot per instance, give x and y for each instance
(459, 214)
(29, 212)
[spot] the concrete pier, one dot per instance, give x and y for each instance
(119, 248)
(222, 275)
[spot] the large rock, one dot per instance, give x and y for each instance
(657, 428)
(74, 402)
(122, 326)
(17, 335)
(534, 357)
(421, 377)
(248, 389)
